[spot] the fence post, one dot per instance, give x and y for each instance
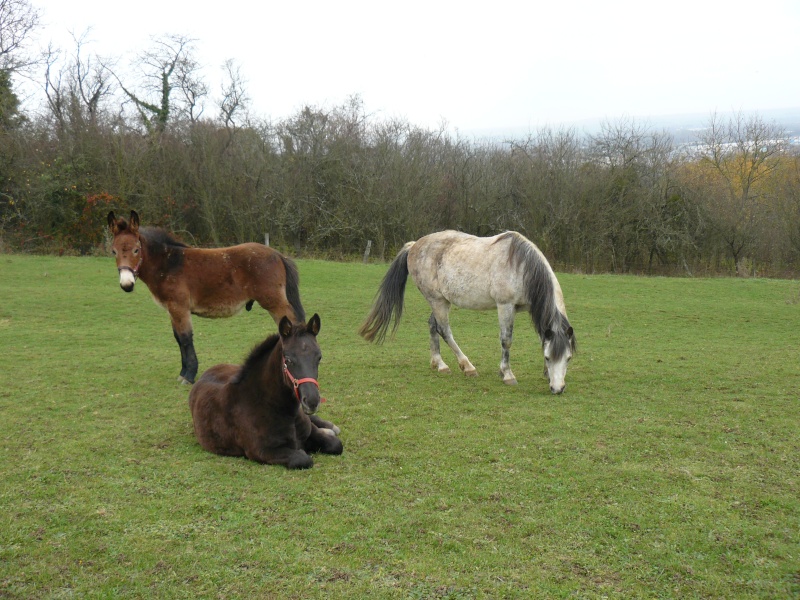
(266, 239)
(366, 252)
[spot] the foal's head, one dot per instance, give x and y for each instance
(126, 248)
(301, 357)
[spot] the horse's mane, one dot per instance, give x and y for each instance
(258, 355)
(262, 352)
(157, 238)
(540, 292)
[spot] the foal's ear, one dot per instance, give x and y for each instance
(134, 222)
(112, 222)
(313, 325)
(285, 327)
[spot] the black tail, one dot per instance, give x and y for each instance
(388, 304)
(293, 289)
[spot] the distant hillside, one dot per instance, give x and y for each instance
(682, 127)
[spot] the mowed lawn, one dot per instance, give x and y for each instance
(668, 468)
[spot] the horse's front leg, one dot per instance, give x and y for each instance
(319, 435)
(441, 314)
(182, 329)
(323, 424)
(505, 314)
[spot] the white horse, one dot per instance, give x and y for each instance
(506, 271)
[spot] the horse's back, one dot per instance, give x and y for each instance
(468, 271)
(222, 280)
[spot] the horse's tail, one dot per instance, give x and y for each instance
(388, 303)
(293, 289)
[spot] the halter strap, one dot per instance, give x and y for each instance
(296, 383)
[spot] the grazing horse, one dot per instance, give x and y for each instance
(264, 409)
(206, 282)
(506, 271)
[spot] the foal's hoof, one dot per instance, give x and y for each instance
(183, 381)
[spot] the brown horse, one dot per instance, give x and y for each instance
(264, 409)
(206, 282)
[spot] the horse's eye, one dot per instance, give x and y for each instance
(288, 360)
(114, 252)
(135, 251)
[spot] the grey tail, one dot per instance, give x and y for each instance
(388, 305)
(293, 289)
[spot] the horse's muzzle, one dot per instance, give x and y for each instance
(127, 279)
(310, 404)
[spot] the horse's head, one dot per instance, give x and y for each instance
(558, 347)
(301, 356)
(126, 248)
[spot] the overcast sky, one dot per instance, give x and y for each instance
(479, 66)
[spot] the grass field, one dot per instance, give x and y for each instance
(668, 468)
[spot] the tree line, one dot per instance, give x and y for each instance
(324, 181)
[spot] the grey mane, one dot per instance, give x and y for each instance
(539, 293)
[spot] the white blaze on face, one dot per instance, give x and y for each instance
(556, 369)
(126, 279)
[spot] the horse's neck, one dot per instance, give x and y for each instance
(147, 269)
(265, 380)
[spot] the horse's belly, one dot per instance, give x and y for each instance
(219, 311)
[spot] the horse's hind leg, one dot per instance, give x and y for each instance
(505, 313)
(436, 353)
(441, 314)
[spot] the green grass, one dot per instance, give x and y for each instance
(668, 468)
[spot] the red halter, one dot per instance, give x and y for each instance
(295, 383)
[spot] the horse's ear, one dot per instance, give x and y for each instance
(285, 327)
(313, 325)
(134, 222)
(570, 332)
(112, 222)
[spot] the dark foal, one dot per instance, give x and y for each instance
(207, 282)
(264, 409)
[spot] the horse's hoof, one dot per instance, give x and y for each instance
(184, 381)
(335, 430)
(445, 370)
(472, 373)
(511, 381)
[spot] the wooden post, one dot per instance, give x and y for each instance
(366, 252)
(266, 239)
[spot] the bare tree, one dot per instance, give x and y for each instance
(234, 98)
(18, 19)
(169, 64)
(75, 90)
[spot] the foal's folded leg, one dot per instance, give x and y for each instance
(289, 457)
(323, 424)
(323, 440)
